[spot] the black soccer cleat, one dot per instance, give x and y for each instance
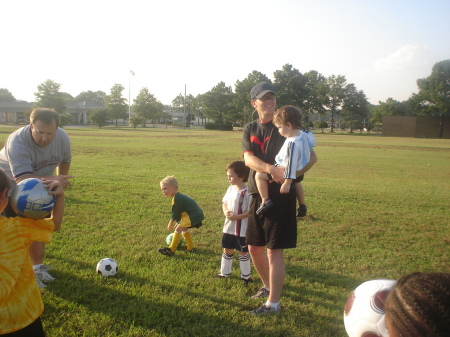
(301, 211)
(264, 207)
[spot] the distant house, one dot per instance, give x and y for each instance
(15, 112)
(416, 126)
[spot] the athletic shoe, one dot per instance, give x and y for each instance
(165, 251)
(262, 293)
(220, 276)
(42, 274)
(246, 281)
(192, 251)
(264, 207)
(264, 310)
(40, 283)
(301, 211)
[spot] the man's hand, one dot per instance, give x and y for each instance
(277, 173)
(64, 180)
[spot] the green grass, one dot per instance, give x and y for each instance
(378, 208)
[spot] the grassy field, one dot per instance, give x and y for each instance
(378, 208)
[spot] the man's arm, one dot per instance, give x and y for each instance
(63, 169)
(259, 165)
(61, 175)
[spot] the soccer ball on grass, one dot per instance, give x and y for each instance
(170, 238)
(107, 267)
(30, 199)
(364, 310)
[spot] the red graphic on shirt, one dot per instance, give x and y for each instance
(255, 140)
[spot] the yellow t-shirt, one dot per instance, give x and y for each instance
(20, 298)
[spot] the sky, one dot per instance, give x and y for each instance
(381, 46)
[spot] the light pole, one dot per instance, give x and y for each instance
(351, 118)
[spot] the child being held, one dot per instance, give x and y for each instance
(186, 214)
(292, 157)
(235, 208)
(20, 299)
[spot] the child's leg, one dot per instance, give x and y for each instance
(188, 238)
(262, 182)
(244, 263)
(226, 262)
(175, 241)
(300, 192)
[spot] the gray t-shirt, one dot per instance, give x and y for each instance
(21, 156)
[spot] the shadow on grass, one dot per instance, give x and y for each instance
(119, 299)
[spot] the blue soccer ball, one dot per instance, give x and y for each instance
(30, 199)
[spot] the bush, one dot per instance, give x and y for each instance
(65, 119)
(136, 120)
(218, 126)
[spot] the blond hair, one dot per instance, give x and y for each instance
(169, 180)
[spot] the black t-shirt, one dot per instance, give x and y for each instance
(264, 141)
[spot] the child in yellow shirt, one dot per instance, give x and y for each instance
(20, 299)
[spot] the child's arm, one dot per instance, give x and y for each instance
(226, 211)
(231, 216)
(286, 186)
(234, 217)
(171, 225)
(55, 188)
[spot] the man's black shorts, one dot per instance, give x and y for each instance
(277, 228)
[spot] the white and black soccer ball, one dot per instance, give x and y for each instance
(107, 267)
(364, 310)
(30, 199)
(169, 239)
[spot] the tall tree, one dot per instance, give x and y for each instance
(185, 104)
(217, 103)
(316, 94)
(146, 105)
(335, 95)
(6, 96)
(241, 99)
(97, 97)
(435, 89)
(355, 105)
(50, 96)
(290, 85)
(116, 104)
(389, 108)
(197, 107)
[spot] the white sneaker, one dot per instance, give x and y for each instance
(41, 273)
(265, 310)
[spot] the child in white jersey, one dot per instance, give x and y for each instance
(292, 157)
(235, 208)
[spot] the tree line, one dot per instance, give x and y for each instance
(327, 100)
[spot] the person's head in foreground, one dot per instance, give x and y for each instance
(419, 305)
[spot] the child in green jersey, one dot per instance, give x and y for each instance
(186, 214)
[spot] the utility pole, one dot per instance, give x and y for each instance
(184, 106)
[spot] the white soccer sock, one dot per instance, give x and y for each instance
(273, 305)
(244, 263)
(225, 266)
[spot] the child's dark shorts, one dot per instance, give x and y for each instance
(230, 241)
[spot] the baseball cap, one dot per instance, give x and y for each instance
(261, 89)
